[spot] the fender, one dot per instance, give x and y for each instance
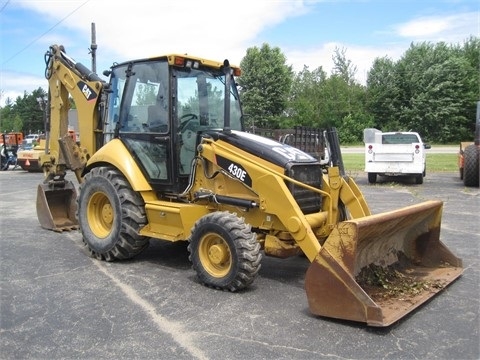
(116, 154)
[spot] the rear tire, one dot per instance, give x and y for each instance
(110, 214)
(471, 166)
(224, 251)
(372, 178)
(419, 179)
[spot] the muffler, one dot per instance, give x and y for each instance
(379, 268)
(56, 206)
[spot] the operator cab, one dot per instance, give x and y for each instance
(158, 108)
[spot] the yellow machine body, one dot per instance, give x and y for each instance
(243, 196)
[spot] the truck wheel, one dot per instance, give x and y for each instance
(372, 178)
(224, 252)
(419, 179)
(4, 163)
(470, 165)
(460, 167)
(110, 215)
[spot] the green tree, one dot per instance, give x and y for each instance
(344, 67)
(24, 114)
(336, 101)
(470, 51)
(306, 106)
(351, 129)
(146, 94)
(438, 110)
(265, 86)
(29, 111)
(347, 99)
(382, 94)
(435, 84)
(432, 89)
(6, 119)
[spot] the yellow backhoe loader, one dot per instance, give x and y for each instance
(164, 155)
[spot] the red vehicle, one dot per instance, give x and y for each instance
(11, 139)
(9, 143)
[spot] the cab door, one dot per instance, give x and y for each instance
(139, 114)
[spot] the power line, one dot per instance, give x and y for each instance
(4, 5)
(45, 33)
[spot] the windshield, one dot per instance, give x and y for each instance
(400, 138)
(201, 94)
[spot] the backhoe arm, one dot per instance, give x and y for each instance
(67, 78)
(56, 197)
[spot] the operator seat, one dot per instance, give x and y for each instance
(188, 140)
(157, 118)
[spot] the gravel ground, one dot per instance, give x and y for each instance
(58, 303)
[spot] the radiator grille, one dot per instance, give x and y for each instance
(310, 174)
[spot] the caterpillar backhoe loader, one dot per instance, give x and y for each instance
(164, 155)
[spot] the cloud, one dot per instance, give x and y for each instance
(452, 28)
(215, 29)
(15, 84)
(361, 57)
(423, 27)
(141, 28)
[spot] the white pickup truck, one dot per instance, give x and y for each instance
(394, 154)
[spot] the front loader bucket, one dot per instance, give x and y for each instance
(378, 268)
(56, 207)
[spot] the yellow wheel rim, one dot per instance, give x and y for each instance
(100, 215)
(215, 255)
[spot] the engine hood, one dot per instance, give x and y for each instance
(267, 149)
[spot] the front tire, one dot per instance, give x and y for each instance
(224, 251)
(110, 214)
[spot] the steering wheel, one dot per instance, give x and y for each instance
(185, 119)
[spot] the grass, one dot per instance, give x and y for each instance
(435, 162)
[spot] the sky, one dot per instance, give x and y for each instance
(307, 32)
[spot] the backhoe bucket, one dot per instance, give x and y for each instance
(378, 268)
(56, 207)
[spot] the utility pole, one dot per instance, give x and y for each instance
(93, 49)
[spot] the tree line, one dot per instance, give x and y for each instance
(432, 89)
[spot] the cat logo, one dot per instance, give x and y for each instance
(87, 91)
